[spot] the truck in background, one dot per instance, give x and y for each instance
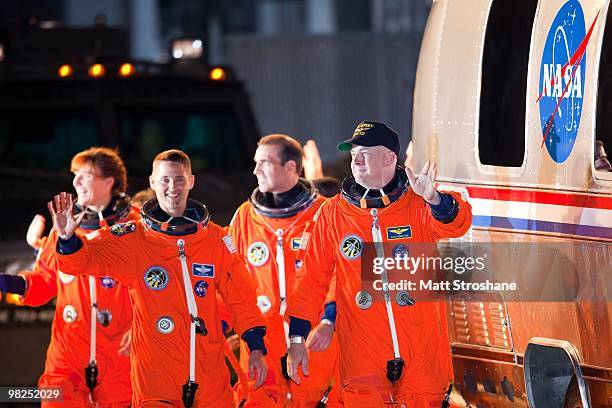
(63, 90)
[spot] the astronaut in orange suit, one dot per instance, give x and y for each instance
(394, 352)
(268, 230)
(174, 261)
(100, 183)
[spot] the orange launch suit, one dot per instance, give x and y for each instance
(364, 335)
(69, 350)
(148, 263)
(255, 236)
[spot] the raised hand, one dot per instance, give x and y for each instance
(64, 222)
(423, 184)
(35, 231)
(313, 167)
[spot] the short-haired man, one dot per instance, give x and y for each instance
(174, 261)
(393, 352)
(268, 231)
(84, 358)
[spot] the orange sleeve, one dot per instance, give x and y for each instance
(235, 225)
(238, 290)
(454, 229)
(43, 242)
(103, 254)
(331, 293)
(234, 219)
(41, 282)
(234, 229)
(315, 274)
(224, 314)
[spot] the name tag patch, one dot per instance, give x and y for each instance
(203, 270)
(400, 232)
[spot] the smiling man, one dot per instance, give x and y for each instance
(392, 353)
(174, 260)
(171, 185)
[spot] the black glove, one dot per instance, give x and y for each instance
(12, 284)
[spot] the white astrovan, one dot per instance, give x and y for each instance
(513, 101)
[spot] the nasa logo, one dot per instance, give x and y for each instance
(201, 288)
(400, 251)
(562, 74)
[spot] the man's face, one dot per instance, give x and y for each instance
(171, 182)
(92, 188)
(368, 164)
(271, 174)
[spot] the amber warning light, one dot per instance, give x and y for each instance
(64, 71)
(218, 74)
(126, 69)
(96, 70)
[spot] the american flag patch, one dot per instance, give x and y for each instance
(229, 243)
(305, 238)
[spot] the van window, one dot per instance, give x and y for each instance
(603, 126)
(45, 139)
(501, 138)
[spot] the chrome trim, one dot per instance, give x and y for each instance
(486, 360)
(457, 344)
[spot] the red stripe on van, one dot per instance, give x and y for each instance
(542, 197)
